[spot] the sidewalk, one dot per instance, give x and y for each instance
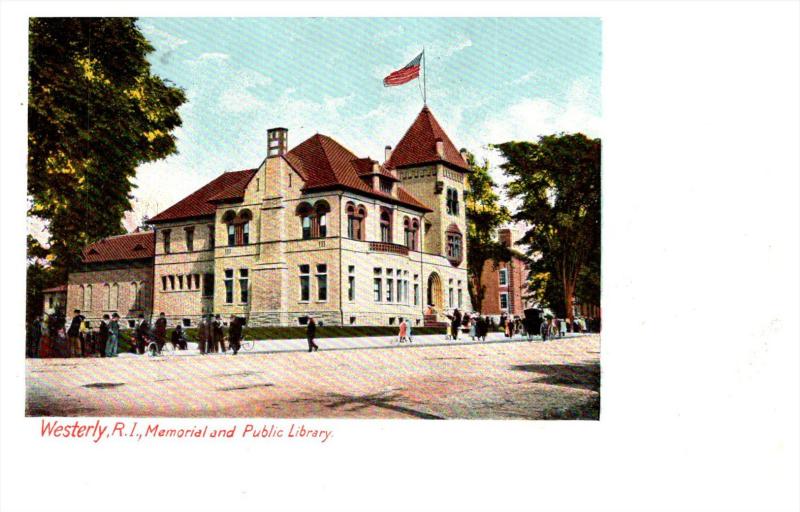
(365, 342)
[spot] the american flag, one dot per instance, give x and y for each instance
(405, 74)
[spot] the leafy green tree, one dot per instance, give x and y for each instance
(485, 214)
(557, 183)
(95, 113)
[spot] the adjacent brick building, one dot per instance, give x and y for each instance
(314, 230)
(505, 284)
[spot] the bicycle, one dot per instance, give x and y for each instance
(245, 344)
(153, 350)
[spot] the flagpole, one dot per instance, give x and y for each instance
(424, 79)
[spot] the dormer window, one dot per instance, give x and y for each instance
(386, 186)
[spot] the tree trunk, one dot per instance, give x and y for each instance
(569, 289)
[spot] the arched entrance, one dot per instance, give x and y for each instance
(435, 294)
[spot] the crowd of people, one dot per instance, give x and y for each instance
(50, 336)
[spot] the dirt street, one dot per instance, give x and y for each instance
(559, 379)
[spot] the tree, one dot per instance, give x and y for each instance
(557, 182)
(484, 215)
(95, 113)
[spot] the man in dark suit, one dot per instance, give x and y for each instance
(73, 334)
(218, 335)
(160, 330)
(235, 334)
(202, 335)
(142, 330)
(311, 332)
(102, 335)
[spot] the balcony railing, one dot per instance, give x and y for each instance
(388, 247)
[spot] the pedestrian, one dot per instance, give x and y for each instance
(217, 335)
(401, 336)
(202, 335)
(178, 338)
(544, 329)
(102, 335)
(235, 334)
(455, 323)
(142, 331)
(73, 334)
(473, 327)
(311, 332)
(408, 330)
(112, 345)
(562, 328)
(160, 330)
(34, 337)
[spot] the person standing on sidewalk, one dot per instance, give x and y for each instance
(455, 324)
(142, 330)
(112, 346)
(311, 332)
(202, 335)
(102, 335)
(218, 335)
(544, 329)
(235, 334)
(403, 334)
(73, 335)
(160, 331)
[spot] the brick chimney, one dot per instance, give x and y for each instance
(439, 147)
(277, 141)
(505, 237)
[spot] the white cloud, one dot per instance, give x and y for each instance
(527, 77)
(204, 57)
(160, 39)
(464, 42)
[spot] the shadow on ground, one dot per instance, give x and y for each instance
(579, 375)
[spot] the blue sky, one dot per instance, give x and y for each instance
(489, 80)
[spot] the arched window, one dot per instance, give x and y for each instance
(238, 226)
(305, 212)
(134, 295)
(355, 221)
(386, 225)
(114, 297)
(87, 298)
(321, 209)
(408, 235)
(412, 230)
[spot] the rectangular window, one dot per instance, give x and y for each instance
(244, 275)
(306, 223)
(504, 301)
(210, 236)
(416, 294)
(389, 285)
(450, 296)
(460, 295)
(166, 234)
(197, 281)
(229, 286)
(322, 282)
(171, 282)
(208, 285)
(378, 285)
(351, 283)
(305, 283)
(189, 239)
(180, 282)
(163, 282)
(188, 281)
(503, 277)
(231, 235)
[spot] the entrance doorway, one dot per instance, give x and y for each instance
(435, 294)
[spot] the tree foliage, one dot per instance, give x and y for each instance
(557, 182)
(485, 214)
(95, 113)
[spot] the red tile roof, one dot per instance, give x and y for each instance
(323, 163)
(56, 289)
(132, 246)
(418, 145)
(227, 187)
